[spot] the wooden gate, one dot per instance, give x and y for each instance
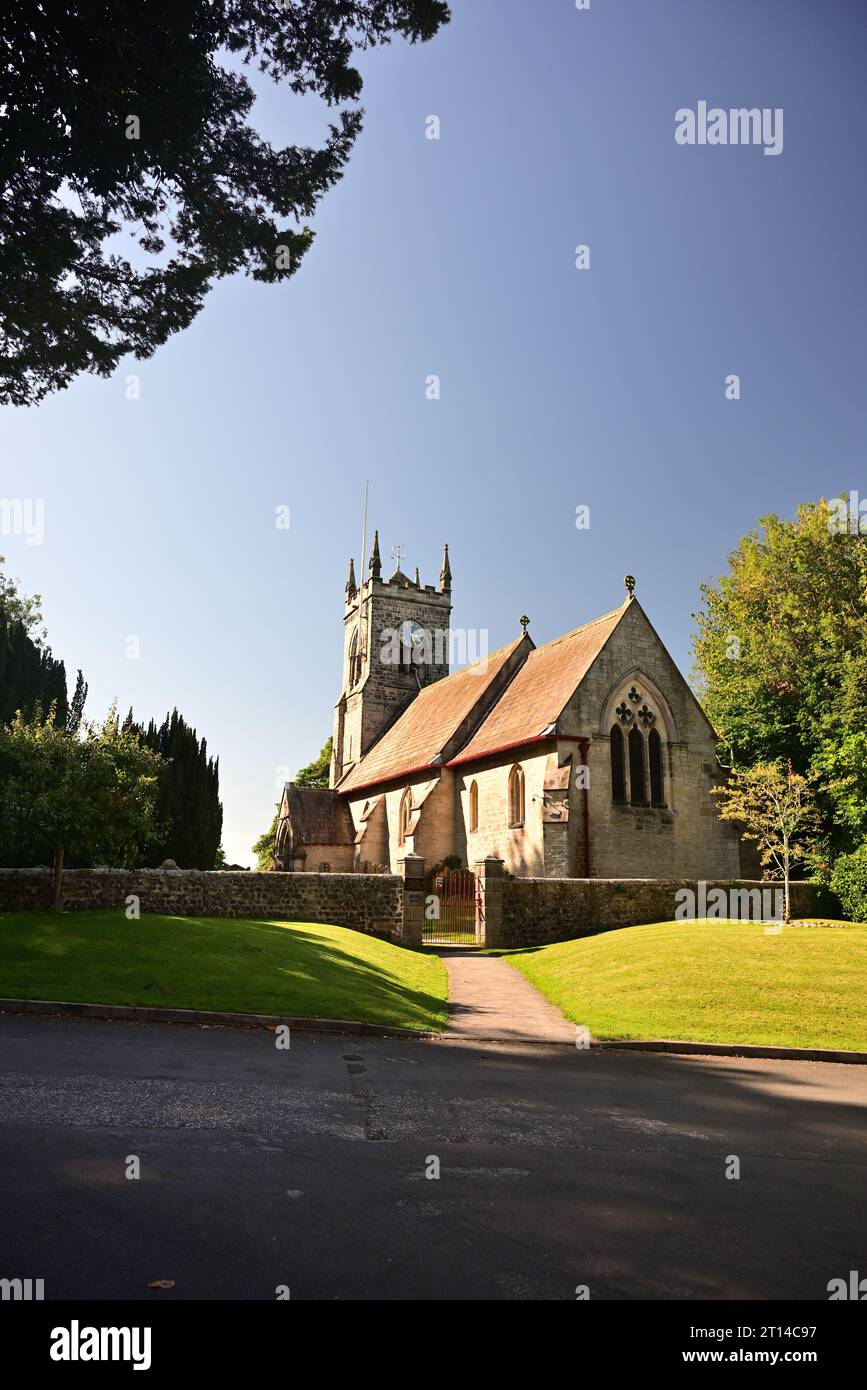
(450, 912)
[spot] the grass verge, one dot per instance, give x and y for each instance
(803, 986)
(240, 965)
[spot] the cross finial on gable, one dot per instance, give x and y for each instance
(629, 581)
(525, 623)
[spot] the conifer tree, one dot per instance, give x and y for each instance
(29, 674)
(189, 816)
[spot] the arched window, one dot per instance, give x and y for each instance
(516, 795)
(618, 767)
(637, 788)
(474, 806)
(654, 749)
(354, 660)
(403, 816)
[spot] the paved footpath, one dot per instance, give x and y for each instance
(491, 1001)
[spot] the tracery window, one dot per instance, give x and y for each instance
(657, 785)
(618, 765)
(637, 789)
(636, 753)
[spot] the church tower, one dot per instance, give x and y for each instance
(396, 639)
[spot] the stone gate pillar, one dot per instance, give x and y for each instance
(489, 902)
(411, 870)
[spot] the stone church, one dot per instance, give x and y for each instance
(586, 757)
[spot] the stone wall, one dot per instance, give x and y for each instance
(540, 910)
(433, 838)
(370, 903)
(517, 911)
(329, 859)
(685, 838)
(366, 709)
(520, 847)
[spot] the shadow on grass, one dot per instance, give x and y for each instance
(250, 965)
(339, 974)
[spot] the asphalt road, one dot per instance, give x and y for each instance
(307, 1168)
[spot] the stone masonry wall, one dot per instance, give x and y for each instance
(384, 687)
(521, 848)
(541, 910)
(687, 838)
(370, 903)
(534, 910)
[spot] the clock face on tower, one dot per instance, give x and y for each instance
(414, 640)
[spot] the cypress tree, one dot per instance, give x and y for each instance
(189, 817)
(189, 820)
(29, 674)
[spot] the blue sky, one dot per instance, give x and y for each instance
(559, 388)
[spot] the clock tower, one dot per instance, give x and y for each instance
(396, 639)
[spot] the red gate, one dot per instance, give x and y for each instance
(450, 911)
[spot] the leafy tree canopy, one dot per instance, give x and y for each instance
(775, 806)
(89, 795)
(21, 608)
(849, 882)
(781, 660)
(264, 847)
(315, 774)
(29, 674)
(132, 116)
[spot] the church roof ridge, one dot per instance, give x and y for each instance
(582, 627)
(425, 728)
(489, 656)
(534, 699)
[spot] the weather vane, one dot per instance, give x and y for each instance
(397, 554)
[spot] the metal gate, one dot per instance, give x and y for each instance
(450, 912)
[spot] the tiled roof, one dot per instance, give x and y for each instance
(537, 695)
(318, 816)
(429, 723)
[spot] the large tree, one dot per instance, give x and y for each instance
(23, 608)
(88, 795)
(781, 660)
(131, 116)
(315, 774)
(29, 674)
(188, 820)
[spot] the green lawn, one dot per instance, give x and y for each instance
(298, 969)
(712, 982)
